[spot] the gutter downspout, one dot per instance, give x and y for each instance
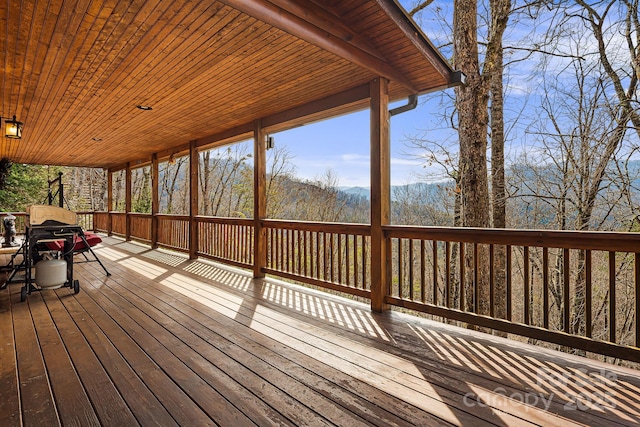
(411, 104)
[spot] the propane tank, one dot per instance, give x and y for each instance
(51, 273)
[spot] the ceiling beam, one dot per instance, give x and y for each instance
(327, 21)
(300, 27)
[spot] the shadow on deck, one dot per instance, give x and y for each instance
(168, 341)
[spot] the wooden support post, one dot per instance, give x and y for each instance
(259, 199)
(155, 200)
(127, 202)
(194, 163)
(109, 202)
(380, 192)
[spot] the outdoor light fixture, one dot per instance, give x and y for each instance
(13, 128)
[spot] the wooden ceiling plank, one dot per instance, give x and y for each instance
(19, 61)
(73, 24)
(110, 75)
(116, 81)
(120, 42)
(273, 15)
(158, 84)
(78, 102)
(54, 11)
(236, 80)
(283, 85)
(34, 58)
(80, 88)
(11, 73)
(220, 80)
(417, 37)
(185, 92)
(5, 54)
(227, 64)
(93, 19)
(90, 110)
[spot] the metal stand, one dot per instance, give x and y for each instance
(88, 248)
(35, 242)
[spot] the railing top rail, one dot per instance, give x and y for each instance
(566, 239)
(173, 216)
(333, 227)
(224, 220)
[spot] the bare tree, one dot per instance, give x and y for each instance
(141, 190)
(577, 179)
(173, 186)
(223, 180)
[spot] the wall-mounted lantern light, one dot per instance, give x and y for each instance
(13, 128)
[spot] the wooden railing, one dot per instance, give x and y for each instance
(140, 227)
(118, 223)
(333, 256)
(173, 232)
(101, 222)
(85, 219)
(576, 289)
(571, 288)
(229, 240)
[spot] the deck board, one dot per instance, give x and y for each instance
(168, 341)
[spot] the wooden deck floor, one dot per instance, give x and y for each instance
(167, 341)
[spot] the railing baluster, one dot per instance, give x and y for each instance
(400, 278)
(435, 272)
(492, 296)
(509, 272)
(588, 293)
(365, 256)
(410, 265)
(305, 253)
(636, 279)
(476, 277)
(355, 262)
(339, 252)
(612, 296)
(565, 292)
(332, 238)
(315, 256)
(447, 287)
(527, 286)
(545, 287)
(463, 272)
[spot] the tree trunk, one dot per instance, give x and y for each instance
(499, 11)
(472, 103)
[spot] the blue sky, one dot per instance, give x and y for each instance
(341, 145)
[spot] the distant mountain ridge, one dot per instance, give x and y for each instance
(417, 187)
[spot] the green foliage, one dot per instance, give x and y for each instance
(5, 168)
(25, 185)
